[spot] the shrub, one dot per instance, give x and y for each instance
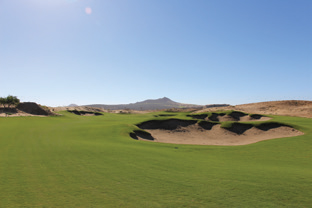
(9, 101)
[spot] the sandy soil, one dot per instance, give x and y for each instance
(194, 134)
(298, 108)
(19, 114)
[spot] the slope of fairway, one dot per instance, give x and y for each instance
(76, 161)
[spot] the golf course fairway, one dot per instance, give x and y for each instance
(91, 161)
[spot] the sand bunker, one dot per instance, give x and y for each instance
(210, 133)
(232, 116)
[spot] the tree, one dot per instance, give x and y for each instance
(2, 101)
(16, 101)
(9, 101)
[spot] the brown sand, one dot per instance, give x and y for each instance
(194, 134)
(298, 108)
(15, 113)
(18, 114)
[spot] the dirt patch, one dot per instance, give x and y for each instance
(210, 133)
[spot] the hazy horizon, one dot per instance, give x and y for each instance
(161, 98)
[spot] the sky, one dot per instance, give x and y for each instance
(59, 52)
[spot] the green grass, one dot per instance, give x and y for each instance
(76, 161)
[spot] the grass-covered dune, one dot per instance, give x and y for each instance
(78, 161)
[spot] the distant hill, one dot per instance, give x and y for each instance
(157, 104)
(300, 108)
(72, 105)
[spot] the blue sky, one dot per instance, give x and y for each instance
(57, 52)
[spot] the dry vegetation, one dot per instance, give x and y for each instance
(298, 108)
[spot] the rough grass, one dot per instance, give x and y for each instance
(74, 161)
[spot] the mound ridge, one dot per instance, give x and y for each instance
(229, 116)
(300, 108)
(34, 109)
(205, 132)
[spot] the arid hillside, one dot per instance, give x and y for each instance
(299, 108)
(25, 109)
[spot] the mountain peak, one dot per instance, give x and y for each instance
(165, 99)
(150, 104)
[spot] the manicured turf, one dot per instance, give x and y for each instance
(76, 161)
